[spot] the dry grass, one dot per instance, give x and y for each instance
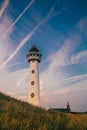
(17, 115)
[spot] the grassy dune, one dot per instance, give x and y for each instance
(18, 115)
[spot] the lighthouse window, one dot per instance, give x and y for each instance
(32, 71)
(32, 95)
(32, 82)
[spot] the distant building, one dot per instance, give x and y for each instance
(65, 110)
(68, 108)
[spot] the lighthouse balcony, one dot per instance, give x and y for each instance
(33, 56)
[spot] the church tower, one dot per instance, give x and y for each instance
(68, 108)
(34, 57)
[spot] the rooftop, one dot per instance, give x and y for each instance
(34, 49)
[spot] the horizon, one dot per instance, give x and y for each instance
(58, 28)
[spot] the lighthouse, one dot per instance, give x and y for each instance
(34, 57)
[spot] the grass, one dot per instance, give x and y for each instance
(18, 115)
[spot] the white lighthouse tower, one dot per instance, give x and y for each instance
(34, 57)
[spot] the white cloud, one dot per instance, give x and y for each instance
(75, 94)
(23, 42)
(22, 78)
(17, 19)
(4, 53)
(62, 91)
(56, 81)
(6, 27)
(9, 82)
(15, 64)
(80, 57)
(3, 7)
(65, 55)
(55, 87)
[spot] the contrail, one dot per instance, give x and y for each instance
(17, 18)
(23, 42)
(4, 5)
(20, 45)
(71, 79)
(19, 63)
(19, 71)
(68, 80)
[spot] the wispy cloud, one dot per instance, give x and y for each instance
(65, 55)
(75, 94)
(57, 77)
(80, 57)
(54, 77)
(71, 79)
(22, 78)
(16, 64)
(17, 49)
(4, 53)
(23, 42)
(11, 26)
(16, 77)
(3, 7)
(9, 82)
(62, 91)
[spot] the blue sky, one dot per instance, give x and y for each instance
(59, 29)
